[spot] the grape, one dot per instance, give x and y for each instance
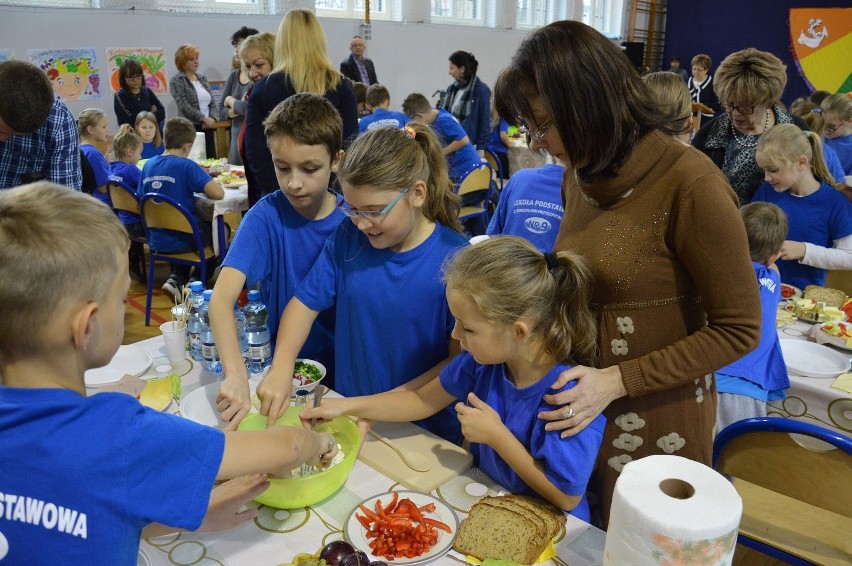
(357, 558)
(335, 551)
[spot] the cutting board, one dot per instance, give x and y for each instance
(447, 459)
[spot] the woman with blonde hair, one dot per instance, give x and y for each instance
(301, 65)
(749, 84)
(672, 98)
(192, 94)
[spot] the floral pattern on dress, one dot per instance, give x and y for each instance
(625, 324)
(617, 463)
(628, 442)
(629, 422)
(619, 347)
(671, 443)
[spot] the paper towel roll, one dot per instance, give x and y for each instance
(198, 152)
(670, 510)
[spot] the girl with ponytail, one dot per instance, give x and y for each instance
(521, 317)
(382, 273)
(819, 216)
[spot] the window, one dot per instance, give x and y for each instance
(356, 9)
(215, 6)
(461, 12)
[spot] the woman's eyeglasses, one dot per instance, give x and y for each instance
(372, 215)
(743, 110)
(536, 135)
(134, 77)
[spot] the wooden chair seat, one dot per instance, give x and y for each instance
(800, 529)
(188, 256)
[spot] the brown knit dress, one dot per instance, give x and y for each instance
(675, 297)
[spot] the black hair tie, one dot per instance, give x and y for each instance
(551, 259)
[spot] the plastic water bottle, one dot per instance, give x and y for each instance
(209, 354)
(257, 334)
(193, 321)
(240, 322)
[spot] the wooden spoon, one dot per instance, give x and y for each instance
(415, 461)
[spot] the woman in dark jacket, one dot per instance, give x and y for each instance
(134, 97)
(469, 99)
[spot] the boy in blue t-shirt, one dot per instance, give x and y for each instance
(82, 478)
(177, 176)
(531, 206)
(280, 239)
(378, 102)
(461, 155)
(744, 386)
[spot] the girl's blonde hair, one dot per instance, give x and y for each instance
(389, 159)
(786, 143)
(151, 117)
(838, 104)
(301, 53)
(263, 42)
(124, 142)
(813, 115)
(671, 96)
(89, 118)
(507, 278)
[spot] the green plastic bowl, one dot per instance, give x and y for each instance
(295, 493)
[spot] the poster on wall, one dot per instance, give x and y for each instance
(152, 60)
(822, 39)
(6, 54)
(73, 73)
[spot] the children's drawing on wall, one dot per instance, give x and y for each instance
(6, 54)
(152, 60)
(73, 73)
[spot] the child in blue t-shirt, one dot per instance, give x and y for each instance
(746, 385)
(521, 317)
(175, 175)
(461, 154)
(838, 128)
(819, 216)
(280, 238)
(127, 149)
(94, 129)
(378, 102)
(149, 130)
(381, 272)
(530, 206)
(498, 141)
(108, 468)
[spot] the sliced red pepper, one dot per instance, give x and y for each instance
(364, 521)
(438, 524)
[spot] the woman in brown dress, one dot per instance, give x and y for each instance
(675, 296)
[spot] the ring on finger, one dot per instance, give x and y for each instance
(568, 413)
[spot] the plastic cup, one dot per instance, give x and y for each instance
(175, 337)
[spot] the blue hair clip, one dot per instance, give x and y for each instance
(818, 110)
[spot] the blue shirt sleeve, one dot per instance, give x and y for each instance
(198, 177)
(319, 288)
(98, 162)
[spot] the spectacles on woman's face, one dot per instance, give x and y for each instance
(373, 216)
(134, 77)
(743, 110)
(536, 135)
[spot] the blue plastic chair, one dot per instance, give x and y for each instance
(162, 212)
(797, 502)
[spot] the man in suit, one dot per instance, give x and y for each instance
(357, 67)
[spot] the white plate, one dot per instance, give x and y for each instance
(200, 405)
(355, 533)
(131, 360)
(812, 360)
(826, 338)
(796, 291)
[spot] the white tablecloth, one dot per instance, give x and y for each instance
(235, 200)
(812, 399)
(276, 536)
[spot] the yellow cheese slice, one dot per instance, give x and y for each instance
(159, 392)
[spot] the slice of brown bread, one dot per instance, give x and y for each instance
(553, 516)
(500, 533)
(508, 502)
(831, 297)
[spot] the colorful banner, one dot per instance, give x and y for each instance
(822, 47)
(152, 60)
(73, 72)
(6, 54)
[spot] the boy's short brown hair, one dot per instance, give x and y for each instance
(377, 95)
(414, 104)
(766, 228)
(26, 96)
(308, 119)
(57, 246)
(179, 132)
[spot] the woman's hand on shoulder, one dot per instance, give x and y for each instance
(577, 407)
